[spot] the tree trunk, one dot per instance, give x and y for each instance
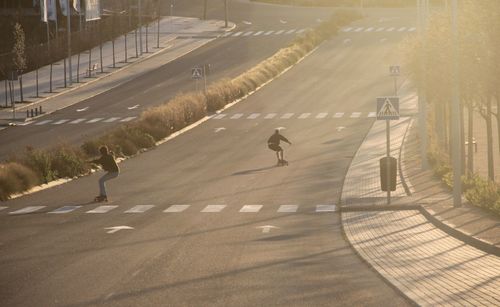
(470, 135)
(21, 87)
(489, 136)
(462, 137)
(497, 115)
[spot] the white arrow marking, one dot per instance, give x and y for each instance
(246, 22)
(117, 228)
(134, 107)
(82, 109)
(267, 228)
(283, 21)
(219, 129)
(340, 128)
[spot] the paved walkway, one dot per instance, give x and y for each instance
(194, 32)
(427, 264)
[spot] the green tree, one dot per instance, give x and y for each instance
(19, 53)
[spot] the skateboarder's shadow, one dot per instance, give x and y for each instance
(253, 171)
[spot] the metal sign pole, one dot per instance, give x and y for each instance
(388, 133)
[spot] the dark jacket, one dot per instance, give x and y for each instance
(276, 138)
(108, 163)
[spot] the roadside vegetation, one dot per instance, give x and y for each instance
(37, 166)
(342, 3)
(429, 59)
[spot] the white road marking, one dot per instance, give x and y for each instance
(347, 29)
(112, 119)
(356, 114)
(27, 123)
(267, 228)
(288, 208)
(127, 119)
(279, 32)
(246, 22)
(287, 115)
(347, 41)
(380, 29)
(304, 115)
(325, 208)
(227, 34)
(300, 31)
(390, 29)
(280, 128)
(270, 116)
(59, 122)
(258, 33)
(102, 209)
(217, 130)
(248, 33)
(268, 33)
(176, 208)
(133, 107)
(340, 128)
(116, 229)
(383, 40)
(219, 116)
(253, 116)
(3, 207)
(412, 29)
(139, 209)
(359, 29)
(401, 29)
(77, 121)
(322, 115)
(338, 115)
(43, 122)
(251, 208)
(237, 116)
(27, 210)
(372, 114)
(283, 21)
(82, 109)
(237, 33)
(95, 120)
(213, 208)
(65, 209)
(369, 29)
(291, 31)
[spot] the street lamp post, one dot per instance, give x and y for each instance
(455, 114)
(422, 112)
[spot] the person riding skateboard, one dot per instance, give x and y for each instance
(274, 144)
(108, 163)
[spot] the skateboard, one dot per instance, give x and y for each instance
(100, 199)
(283, 163)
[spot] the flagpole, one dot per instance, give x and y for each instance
(68, 30)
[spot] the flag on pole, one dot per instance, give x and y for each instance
(43, 10)
(64, 7)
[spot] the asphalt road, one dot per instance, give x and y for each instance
(228, 57)
(224, 258)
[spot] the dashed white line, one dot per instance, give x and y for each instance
(369, 29)
(59, 122)
(288, 208)
(77, 121)
(112, 119)
(127, 119)
(227, 34)
(390, 29)
(356, 114)
(401, 29)
(139, 209)
(253, 116)
(304, 115)
(27, 210)
(279, 32)
(176, 208)
(300, 31)
(95, 120)
(380, 29)
(65, 209)
(248, 33)
(213, 208)
(3, 207)
(270, 116)
(102, 209)
(219, 116)
(359, 29)
(237, 116)
(412, 29)
(322, 115)
(258, 33)
(338, 115)
(251, 208)
(346, 29)
(237, 33)
(291, 31)
(325, 208)
(269, 33)
(372, 114)
(287, 115)
(43, 122)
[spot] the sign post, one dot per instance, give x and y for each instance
(388, 109)
(395, 72)
(196, 74)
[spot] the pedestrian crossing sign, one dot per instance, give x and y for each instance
(387, 108)
(197, 72)
(395, 70)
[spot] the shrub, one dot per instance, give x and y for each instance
(15, 178)
(68, 162)
(40, 162)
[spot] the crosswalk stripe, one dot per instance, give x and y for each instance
(291, 31)
(269, 32)
(139, 209)
(325, 208)
(95, 120)
(288, 208)
(412, 29)
(270, 116)
(213, 208)
(219, 116)
(102, 209)
(127, 119)
(347, 29)
(237, 116)
(359, 29)
(3, 207)
(380, 29)
(65, 209)
(227, 34)
(248, 33)
(287, 115)
(77, 121)
(401, 29)
(356, 114)
(279, 32)
(304, 115)
(258, 33)
(237, 33)
(27, 123)
(112, 119)
(322, 115)
(338, 115)
(176, 208)
(253, 116)
(300, 31)
(251, 208)
(59, 122)
(372, 114)
(369, 29)
(26, 210)
(43, 122)
(390, 29)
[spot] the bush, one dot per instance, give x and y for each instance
(68, 162)
(16, 178)
(40, 162)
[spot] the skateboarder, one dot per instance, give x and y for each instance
(274, 144)
(108, 163)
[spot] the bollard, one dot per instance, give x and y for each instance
(36, 112)
(31, 112)
(27, 113)
(40, 110)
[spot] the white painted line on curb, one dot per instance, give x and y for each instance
(288, 208)
(213, 208)
(65, 209)
(26, 210)
(77, 121)
(102, 209)
(251, 208)
(139, 209)
(325, 208)
(176, 208)
(95, 120)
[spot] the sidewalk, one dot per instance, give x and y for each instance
(196, 33)
(420, 244)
